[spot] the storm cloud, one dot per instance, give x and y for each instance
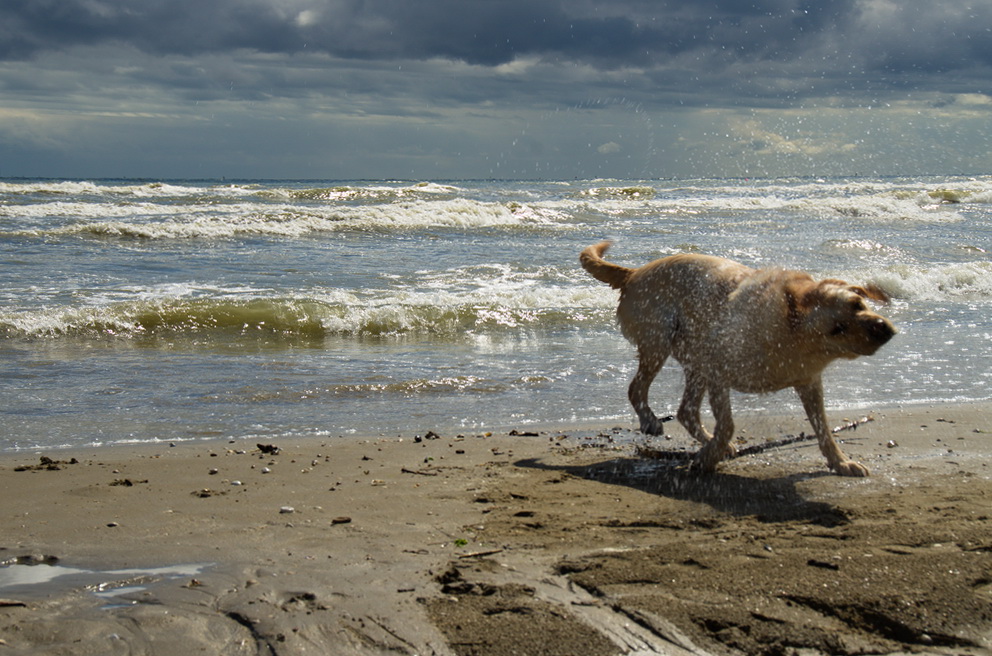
(469, 81)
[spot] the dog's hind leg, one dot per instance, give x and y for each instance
(812, 397)
(719, 447)
(647, 368)
(692, 400)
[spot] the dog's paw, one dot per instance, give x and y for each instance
(850, 468)
(652, 426)
(707, 458)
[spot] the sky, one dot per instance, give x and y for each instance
(519, 89)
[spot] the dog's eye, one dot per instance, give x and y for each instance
(838, 329)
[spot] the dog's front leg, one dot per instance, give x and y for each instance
(812, 397)
(719, 447)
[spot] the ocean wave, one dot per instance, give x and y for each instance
(346, 314)
(293, 221)
(637, 192)
(111, 190)
(374, 192)
(956, 281)
(80, 209)
(371, 193)
(890, 207)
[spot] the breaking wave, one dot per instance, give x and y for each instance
(284, 220)
(344, 314)
(185, 211)
(964, 280)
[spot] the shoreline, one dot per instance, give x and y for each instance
(794, 419)
(565, 540)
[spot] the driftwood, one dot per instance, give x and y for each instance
(419, 472)
(480, 554)
(653, 453)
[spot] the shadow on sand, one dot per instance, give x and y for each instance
(766, 499)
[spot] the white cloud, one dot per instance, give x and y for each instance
(307, 18)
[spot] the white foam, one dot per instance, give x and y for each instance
(933, 283)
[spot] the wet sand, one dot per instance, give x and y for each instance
(564, 542)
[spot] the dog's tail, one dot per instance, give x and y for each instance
(592, 261)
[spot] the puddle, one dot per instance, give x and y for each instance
(34, 578)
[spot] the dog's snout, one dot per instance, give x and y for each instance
(881, 330)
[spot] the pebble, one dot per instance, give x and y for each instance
(235, 482)
(265, 470)
(285, 510)
(214, 471)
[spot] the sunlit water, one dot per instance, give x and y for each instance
(142, 311)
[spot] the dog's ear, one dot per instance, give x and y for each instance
(799, 298)
(871, 291)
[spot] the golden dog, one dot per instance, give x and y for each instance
(733, 327)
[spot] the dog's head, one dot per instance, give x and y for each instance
(834, 314)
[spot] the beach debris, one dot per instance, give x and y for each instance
(126, 482)
(892, 444)
(419, 472)
(287, 510)
(378, 482)
(480, 554)
(206, 492)
(235, 482)
(268, 449)
(112, 524)
(11, 603)
(516, 433)
(47, 464)
(341, 520)
(812, 562)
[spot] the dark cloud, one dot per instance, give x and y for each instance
(486, 32)
(853, 36)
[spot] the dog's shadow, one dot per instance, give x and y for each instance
(667, 474)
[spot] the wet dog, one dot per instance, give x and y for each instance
(734, 327)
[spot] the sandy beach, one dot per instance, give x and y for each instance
(585, 541)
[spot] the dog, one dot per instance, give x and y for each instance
(734, 327)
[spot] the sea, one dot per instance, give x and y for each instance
(140, 311)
